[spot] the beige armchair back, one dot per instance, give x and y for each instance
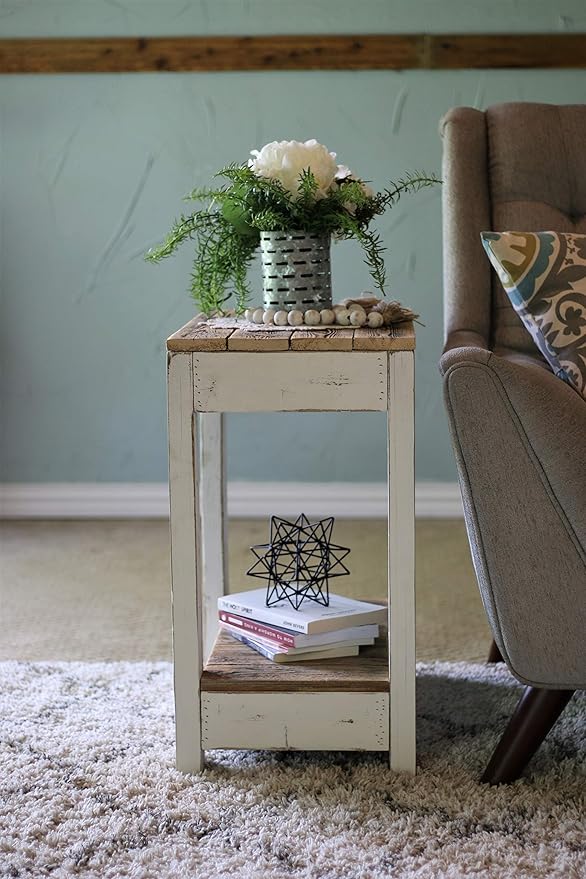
(515, 167)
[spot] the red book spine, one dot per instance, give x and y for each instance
(260, 629)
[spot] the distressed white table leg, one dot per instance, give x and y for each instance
(185, 579)
(214, 521)
(401, 442)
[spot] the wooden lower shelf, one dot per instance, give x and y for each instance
(235, 668)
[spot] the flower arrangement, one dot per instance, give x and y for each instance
(285, 186)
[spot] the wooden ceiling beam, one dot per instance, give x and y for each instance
(284, 52)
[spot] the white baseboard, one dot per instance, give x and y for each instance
(150, 500)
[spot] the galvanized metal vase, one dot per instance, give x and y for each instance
(296, 270)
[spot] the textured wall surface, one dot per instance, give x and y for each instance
(93, 170)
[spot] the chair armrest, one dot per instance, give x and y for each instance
(518, 434)
(465, 352)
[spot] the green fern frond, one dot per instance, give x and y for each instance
(181, 230)
(413, 181)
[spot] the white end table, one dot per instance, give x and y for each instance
(226, 696)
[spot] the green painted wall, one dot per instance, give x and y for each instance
(92, 171)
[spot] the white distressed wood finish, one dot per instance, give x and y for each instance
(214, 521)
(313, 381)
(401, 560)
(305, 721)
(212, 383)
(185, 563)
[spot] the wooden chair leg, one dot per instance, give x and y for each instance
(535, 714)
(494, 654)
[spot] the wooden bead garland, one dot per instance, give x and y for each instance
(295, 318)
(365, 311)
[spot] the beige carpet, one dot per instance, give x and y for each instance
(88, 789)
(99, 590)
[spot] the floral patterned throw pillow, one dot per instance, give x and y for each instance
(544, 274)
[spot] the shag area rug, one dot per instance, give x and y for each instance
(88, 789)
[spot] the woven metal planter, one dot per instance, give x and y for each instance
(296, 270)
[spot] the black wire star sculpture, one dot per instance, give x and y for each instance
(299, 561)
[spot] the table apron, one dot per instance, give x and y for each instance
(310, 381)
(351, 721)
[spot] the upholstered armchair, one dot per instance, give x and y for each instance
(518, 431)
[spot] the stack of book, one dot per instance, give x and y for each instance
(313, 632)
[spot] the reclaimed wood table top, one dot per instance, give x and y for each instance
(231, 335)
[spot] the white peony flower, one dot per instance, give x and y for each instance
(285, 160)
(344, 173)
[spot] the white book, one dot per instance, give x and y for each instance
(276, 655)
(293, 651)
(311, 618)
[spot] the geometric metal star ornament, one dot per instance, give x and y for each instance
(299, 561)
